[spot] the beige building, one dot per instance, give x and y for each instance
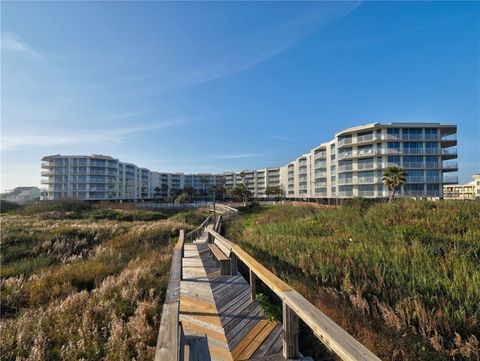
(470, 190)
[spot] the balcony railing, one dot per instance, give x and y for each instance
(450, 179)
(365, 165)
(47, 165)
(365, 138)
(412, 165)
(431, 137)
(412, 150)
(415, 179)
(391, 137)
(450, 165)
(433, 179)
(449, 137)
(320, 174)
(320, 155)
(366, 179)
(345, 181)
(344, 168)
(344, 141)
(366, 193)
(412, 136)
(432, 165)
(345, 194)
(449, 151)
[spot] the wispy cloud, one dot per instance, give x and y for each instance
(12, 42)
(115, 135)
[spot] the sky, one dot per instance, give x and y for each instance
(220, 86)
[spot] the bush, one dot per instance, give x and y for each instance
(6, 206)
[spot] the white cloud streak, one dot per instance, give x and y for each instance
(11, 141)
(12, 42)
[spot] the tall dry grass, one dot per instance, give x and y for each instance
(413, 265)
(79, 288)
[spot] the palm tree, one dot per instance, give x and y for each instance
(203, 180)
(393, 177)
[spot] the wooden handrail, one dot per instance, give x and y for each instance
(168, 341)
(328, 332)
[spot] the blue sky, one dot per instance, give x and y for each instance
(204, 86)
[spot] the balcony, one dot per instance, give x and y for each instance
(47, 165)
(320, 174)
(432, 151)
(361, 166)
(366, 180)
(366, 193)
(391, 137)
(320, 155)
(449, 138)
(344, 141)
(412, 151)
(412, 136)
(450, 180)
(320, 184)
(432, 165)
(388, 151)
(365, 138)
(344, 168)
(345, 155)
(432, 137)
(432, 179)
(345, 194)
(415, 179)
(450, 166)
(345, 181)
(413, 165)
(449, 153)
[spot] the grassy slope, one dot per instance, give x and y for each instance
(83, 283)
(403, 278)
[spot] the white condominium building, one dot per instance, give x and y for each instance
(470, 190)
(350, 165)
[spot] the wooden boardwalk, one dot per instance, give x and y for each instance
(219, 319)
(210, 312)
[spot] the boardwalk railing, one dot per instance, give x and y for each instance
(170, 337)
(294, 306)
(169, 345)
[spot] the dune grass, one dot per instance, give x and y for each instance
(82, 282)
(413, 266)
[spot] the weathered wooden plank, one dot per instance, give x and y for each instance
(275, 336)
(253, 286)
(173, 289)
(219, 255)
(168, 344)
(275, 357)
(272, 281)
(290, 332)
(331, 334)
(248, 338)
(256, 341)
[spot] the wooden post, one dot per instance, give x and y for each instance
(290, 333)
(233, 264)
(253, 286)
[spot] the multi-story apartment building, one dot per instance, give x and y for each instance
(95, 177)
(350, 165)
(470, 190)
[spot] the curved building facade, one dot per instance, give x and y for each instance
(350, 165)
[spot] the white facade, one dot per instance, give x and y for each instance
(350, 165)
(22, 195)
